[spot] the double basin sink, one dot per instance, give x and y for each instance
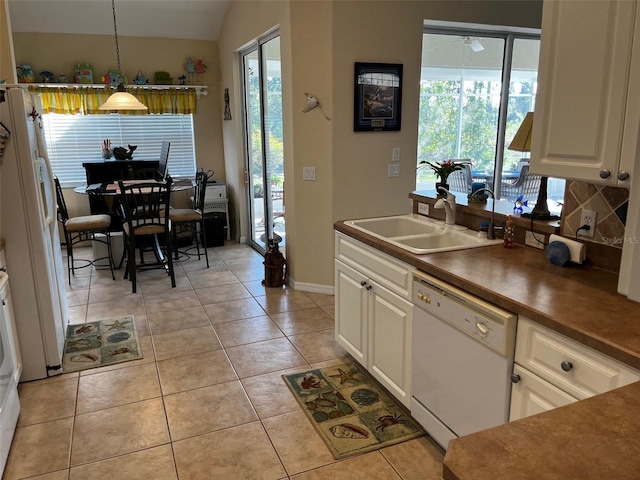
(421, 235)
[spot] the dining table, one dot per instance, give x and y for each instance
(108, 192)
(110, 189)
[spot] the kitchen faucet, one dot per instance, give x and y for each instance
(491, 235)
(449, 205)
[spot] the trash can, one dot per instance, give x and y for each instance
(214, 231)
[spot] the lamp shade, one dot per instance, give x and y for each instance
(122, 101)
(522, 139)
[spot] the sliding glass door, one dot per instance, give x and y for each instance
(262, 84)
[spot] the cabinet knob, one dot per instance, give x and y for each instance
(605, 173)
(515, 378)
(566, 366)
(4, 302)
(363, 283)
(368, 287)
(623, 175)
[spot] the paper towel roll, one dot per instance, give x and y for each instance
(578, 253)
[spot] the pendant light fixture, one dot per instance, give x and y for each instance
(121, 100)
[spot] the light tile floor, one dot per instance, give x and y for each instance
(207, 400)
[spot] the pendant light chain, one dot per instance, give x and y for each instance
(115, 30)
(121, 100)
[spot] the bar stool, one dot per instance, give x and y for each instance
(82, 229)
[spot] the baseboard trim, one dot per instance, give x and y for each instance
(310, 287)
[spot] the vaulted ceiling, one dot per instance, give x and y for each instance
(186, 19)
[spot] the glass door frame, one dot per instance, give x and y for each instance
(257, 47)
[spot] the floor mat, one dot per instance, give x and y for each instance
(100, 343)
(350, 410)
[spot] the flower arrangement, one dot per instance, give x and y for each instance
(445, 168)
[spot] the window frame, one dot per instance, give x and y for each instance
(509, 35)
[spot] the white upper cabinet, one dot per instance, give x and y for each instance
(587, 109)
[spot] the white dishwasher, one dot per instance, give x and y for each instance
(462, 360)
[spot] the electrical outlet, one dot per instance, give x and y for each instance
(530, 239)
(393, 170)
(588, 217)
(423, 208)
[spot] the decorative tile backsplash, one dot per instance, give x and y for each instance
(610, 203)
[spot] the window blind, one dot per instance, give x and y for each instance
(74, 139)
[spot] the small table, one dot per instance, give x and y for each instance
(108, 193)
(110, 189)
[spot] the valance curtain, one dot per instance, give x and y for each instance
(87, 100)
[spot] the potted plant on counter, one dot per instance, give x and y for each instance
(443, 170)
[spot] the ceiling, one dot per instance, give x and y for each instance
(186, 19)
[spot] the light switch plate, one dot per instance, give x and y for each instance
(394, 170)
(396, 154)
(309, 173)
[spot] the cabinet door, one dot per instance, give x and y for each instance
(532, 395)
(585, 57)
(351, 310)
(390, 322)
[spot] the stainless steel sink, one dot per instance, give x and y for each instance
(421, 235)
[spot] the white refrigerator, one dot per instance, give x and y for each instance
(32, 244)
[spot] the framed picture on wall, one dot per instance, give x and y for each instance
(377, 97)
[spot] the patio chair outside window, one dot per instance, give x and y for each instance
(460, 180)
(526, 185)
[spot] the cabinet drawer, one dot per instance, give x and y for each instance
(532, 395)
(587, 373)
(377, 266)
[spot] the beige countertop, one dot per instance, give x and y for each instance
(594, 438)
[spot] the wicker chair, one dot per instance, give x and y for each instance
(460, 180)
(526, 185)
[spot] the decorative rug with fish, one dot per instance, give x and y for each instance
(350, 410)
(101, 343)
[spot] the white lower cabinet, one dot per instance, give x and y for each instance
(373, 323)
(552, 370)
(531, 395)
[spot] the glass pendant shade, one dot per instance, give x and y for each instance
(122, 100)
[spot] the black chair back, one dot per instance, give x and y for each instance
(62, 213)
(145, 205)
(163, 164)
(201, 191)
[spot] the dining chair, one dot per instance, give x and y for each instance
(163, 163)
(192, 217)
(145, 210)
(82, 229)
(526, 185)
